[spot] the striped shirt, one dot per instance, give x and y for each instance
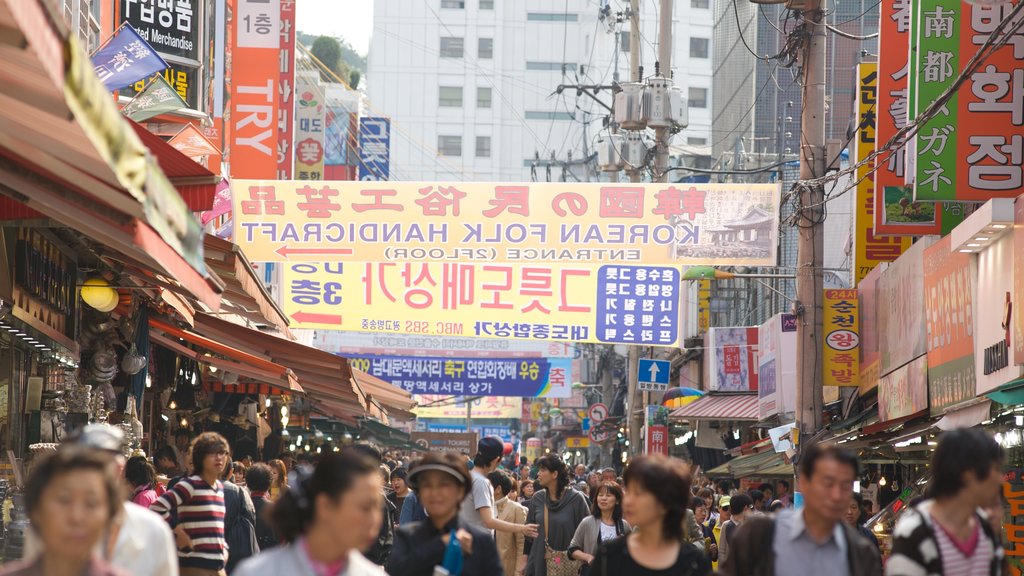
(200, 510)
(970, 560)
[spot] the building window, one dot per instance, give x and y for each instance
(449, 145)
(541, 115)
(456, 4)
(698, 97)
(694, 141)
(624, 41)
(483, 146)
(551, 17)
(487, 4)
(449, 97)
(555, 66)
(485, 48)
(701, 4)
(483, 97)
(698, 47)
(702, 163)
(451, 47)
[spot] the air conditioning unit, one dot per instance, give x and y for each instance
(664, 106)
(609, 153)
(634, 152)
(629, 113)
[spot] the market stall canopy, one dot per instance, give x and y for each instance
(724, 407)
(68, 154)
(196, 183)
(761, 464)
(395, 400)
(244, 294)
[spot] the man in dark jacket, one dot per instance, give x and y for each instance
(257, 479)
(813, 539)
(239, 522)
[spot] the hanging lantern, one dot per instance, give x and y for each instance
(97, 293)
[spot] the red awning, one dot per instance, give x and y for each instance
(727, 407)
(195, 182)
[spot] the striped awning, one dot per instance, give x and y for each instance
(727, 407)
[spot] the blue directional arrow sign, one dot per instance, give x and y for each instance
(653, 375)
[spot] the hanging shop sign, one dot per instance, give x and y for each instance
(841, 348)
(638, 224)
(345, 343)
(309, 126)
(184, 80)
(867, 296)
(503, 432)
(446, 406)
(286, 90)
(994, 316)
(1018, 280)
(255, 99)
(44, 281)
(375, 149)
(949, 288)
(170, 26)
(871, 248)
(896, 211)
(776, 361)
(971, 150)
(904, 391)
(732, 359)
(579, 303)
(901, 321)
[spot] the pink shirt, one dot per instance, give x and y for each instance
(144, 496)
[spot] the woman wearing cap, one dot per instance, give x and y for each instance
(73, 499)
(440, 482)
(328, 518)
(557, 509)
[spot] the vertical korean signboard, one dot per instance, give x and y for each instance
(374, 149)
(309, 130)
(973, 149)
(870, 248)
(255, 95)
(949, 320)
(656, 431)
(896, 211)
(841, 363)
(286, 91)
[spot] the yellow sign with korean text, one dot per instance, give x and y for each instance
(869, 248)
(842, 338)
(567, 223)
(446, 406)
(559, 303)
(577, 442)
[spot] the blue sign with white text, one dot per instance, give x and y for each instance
(374, 149)
(638, 305)
(522, 377)
(653, 374)
(125, 59)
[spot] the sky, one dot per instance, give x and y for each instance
(348, 19)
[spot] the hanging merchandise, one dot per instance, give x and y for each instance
(249, 408)
(97, 293)
(133, 362)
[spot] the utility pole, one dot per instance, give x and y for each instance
(663, 135)
(636, 411)
(811, 227)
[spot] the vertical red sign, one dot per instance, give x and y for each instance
(731, 359)
(254, 89)
(286, 91)
(657, 439)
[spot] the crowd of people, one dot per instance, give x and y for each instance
(359, 512)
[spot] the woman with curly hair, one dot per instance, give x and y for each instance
(279, 484)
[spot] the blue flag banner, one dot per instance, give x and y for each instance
(521, 377)
(125, 59)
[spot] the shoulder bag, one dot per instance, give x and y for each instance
(557, 562)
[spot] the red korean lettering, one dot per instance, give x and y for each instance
(378, 196)
(511, 199)
(379, 272)
(437, 202)
(882, 248)
(496, 289)
(263, 200)
(318, 203)
(457, 285)
(565, 306)
(675, 202)
(535, 282)
(416, 297)
(619, 202)
(574, 202)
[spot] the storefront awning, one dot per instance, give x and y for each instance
(1009, 394)
(396, 401)
(244, 294)
(726, 407)
(967, 416)
(196, 183)
(762, 464)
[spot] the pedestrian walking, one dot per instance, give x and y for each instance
(949, 533)
(441, 481)
(385, 540)
(239, 521)
(854, 517)
(478, 509)
(813, 539)
(741, 507)
(557, 511)
(198, 501)
(73, 500)
(258, 479)
(328, 518)
(400, 491)
(700, 514)
(654, 502)
(141, 478)
(510, 546)
(279, 484)
(604, 524)
(525, 491)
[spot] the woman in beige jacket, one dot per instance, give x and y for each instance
(510, 546)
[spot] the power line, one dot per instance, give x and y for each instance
(839, 32)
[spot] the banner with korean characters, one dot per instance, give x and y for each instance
(569, 303)
(870, 248)
(596, 223)
(841, 364)
(949, 288)
(374, 149)
(310, 109)
(286, 90)
(896, 211)
(447, 406)
(255, 98)
(973, 149)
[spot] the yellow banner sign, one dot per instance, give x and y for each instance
(441, 406)
(842, 338)
(577, 442)
(646, 224)
(577, 303)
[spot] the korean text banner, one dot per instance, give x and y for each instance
(170, 26)
(903, 391)
(896, 211)
(568, 303)
(255, 98)
(841, 364)
(732, 359)
(346, 343)
(522, 377)
(646, 224)
(949, 285)
(286, 90)
(374, 149)
(310, 114)
(441, 406)
(125, 58)
(901, 324)
(869, 247)
(973, 149)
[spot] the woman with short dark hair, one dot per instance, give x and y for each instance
(604, 524)
(557, 510)
(257, 480)
(141, 476)
(657, 493)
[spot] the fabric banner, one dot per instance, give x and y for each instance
(158, 98)
(346, 343)
(193, 143)
(580, 303)
(524, 377)
(309, 126)
(841, 348)
(286, 89)
(374, 149)
(901, 321)
(442, 406)
(903, 391)
(949, 287)
(255, 99)
(645, 224)
(731, 355)
(125, 58)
